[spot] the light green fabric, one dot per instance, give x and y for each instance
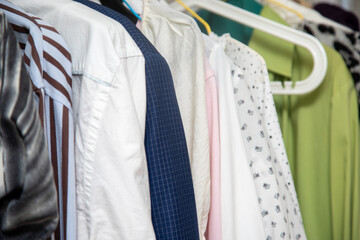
(221, 25)
(321, 135)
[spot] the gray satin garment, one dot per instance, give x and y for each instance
(28, 198)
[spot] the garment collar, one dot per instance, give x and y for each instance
(278, 53)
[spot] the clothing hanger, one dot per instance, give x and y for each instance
(120, 8)
(137, 5)
(312, 14)
(299, 38)
(195, 15)
(132, 10)
(285, 7)
(304, 3)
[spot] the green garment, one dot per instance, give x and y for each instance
(321, 135)
(221, 25)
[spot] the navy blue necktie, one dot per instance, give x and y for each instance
(173, 206)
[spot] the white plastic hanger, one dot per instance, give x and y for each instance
(308, 13)
(257, 22)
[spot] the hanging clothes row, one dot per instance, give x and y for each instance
(320, 129)
(154, 130)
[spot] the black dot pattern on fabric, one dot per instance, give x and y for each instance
(262, 137)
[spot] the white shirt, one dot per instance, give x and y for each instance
(178, 39)
(240, 212)
(265, 147)
(113, 198)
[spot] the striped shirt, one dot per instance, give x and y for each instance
(48, 63)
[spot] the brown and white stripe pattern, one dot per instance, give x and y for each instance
(48, 63)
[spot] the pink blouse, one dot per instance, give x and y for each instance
(213, 231)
